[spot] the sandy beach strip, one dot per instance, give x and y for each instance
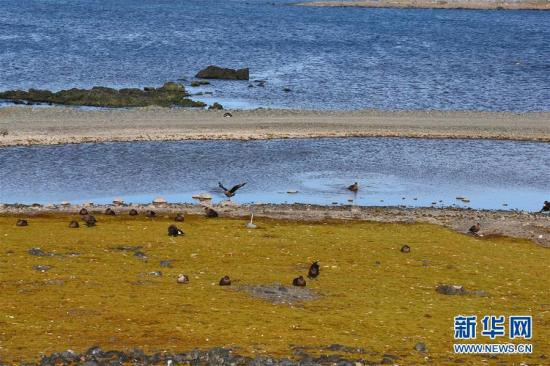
(437, 4)
(22, 126)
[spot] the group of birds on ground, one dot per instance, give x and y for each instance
(174, 231)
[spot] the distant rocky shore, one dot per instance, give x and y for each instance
(170, 94)
(437, 4)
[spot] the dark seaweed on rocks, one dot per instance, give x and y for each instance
(170, 94)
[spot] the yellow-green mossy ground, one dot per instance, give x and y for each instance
(370, 294)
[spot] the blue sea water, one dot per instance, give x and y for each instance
(330, 58)
(390, 171)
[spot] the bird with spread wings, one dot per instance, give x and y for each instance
(230, 192)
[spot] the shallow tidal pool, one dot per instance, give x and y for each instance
(370, 295)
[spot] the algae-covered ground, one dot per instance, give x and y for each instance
(370, 294)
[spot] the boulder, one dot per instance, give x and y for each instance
(216, 106)
(216, 72)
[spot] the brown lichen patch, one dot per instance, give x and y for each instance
(373, 296)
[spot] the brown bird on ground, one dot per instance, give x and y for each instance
(21, 222)
(545, 207)
(150, 214)
(174, 231)
(230, 192)
(74, 224)
(133, 212)
(183, 279)
(314, 270)
(299, 281)
(179, 218)
(225, 281)
(354, 187)
(405, 249)
(110, 212)
(210, 212)
(89, 220)
(83, 212)
(474, 229)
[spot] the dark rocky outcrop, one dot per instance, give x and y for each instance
(216, 106)
(170, 94)
(216, 72)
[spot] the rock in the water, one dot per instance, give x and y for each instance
(216, 106)
(167, 95)
(450, 289)
(216, 72)
(196, 83)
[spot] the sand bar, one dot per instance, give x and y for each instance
(50, 126)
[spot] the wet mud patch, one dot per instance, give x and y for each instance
(278, 294)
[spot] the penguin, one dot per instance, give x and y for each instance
(174, 231)
(225, 281)
(314, 270)
(210, 212)
(299, 281)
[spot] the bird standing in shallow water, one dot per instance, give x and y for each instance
(230, 192)
(474, 229)
(314, 270)
(354, 187)
(299, 281)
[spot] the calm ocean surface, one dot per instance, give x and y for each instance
(330, 58)
(390, 171)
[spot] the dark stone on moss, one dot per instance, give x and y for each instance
(450, 289)
(216, 72)
(170, 94)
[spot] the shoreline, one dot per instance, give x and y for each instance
(23, 126)
(514, 224)
(427, 4)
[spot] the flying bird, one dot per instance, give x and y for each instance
(314, 270)
(230, 192)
